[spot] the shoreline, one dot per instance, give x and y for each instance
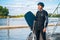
(20, 16)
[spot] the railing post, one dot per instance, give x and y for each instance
(8, 26)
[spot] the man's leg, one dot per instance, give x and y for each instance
(43, 35)
(37, 34)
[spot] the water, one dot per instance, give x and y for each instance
(12, 21)
(3, 21)
(22, 33)
(21, 21)
(14, 34)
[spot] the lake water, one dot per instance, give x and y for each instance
(22, 33)
(21, 21)
(13, 21)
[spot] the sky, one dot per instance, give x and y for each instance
(18, 7)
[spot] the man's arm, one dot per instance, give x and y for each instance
(46, 20)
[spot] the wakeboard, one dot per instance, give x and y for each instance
(30, 17)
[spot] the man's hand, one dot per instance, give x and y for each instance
(44, 30)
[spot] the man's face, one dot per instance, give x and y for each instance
(40, 7)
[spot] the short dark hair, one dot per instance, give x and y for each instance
(41, 3)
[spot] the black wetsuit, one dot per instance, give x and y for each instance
(41, 23)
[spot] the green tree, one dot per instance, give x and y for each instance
(1, 8)
(4, 11)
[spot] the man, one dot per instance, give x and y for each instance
(41, 21)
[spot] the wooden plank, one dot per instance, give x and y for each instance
(14, 27)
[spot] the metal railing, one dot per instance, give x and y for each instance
(55, 27)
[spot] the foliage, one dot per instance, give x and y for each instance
(4, 11)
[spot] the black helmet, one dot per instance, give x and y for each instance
(41, 3)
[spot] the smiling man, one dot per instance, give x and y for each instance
(41, 21)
